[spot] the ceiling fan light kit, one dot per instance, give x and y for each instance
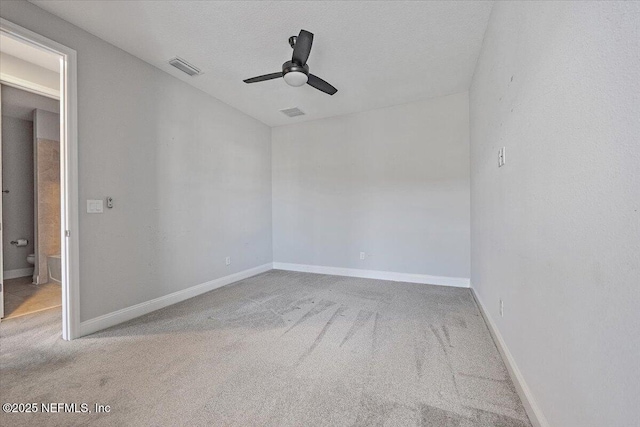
(296, 72)
(296, 78)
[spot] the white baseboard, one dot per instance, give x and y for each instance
(111, 319)
(459, 282)
(13, 274)
(534, 412)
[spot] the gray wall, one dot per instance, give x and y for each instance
(17, 177)
(393, 183)
(190, 176)
(556, 231)
(20, 104)
(46, 125)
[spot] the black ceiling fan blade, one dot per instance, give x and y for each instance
(320, 84)
(302, 48)
(263, 78)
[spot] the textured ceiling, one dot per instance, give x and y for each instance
(376, 53)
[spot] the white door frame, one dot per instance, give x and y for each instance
(1, 224)
(69, 254)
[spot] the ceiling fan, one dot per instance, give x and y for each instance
(296, 72)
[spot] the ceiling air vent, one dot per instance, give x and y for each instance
(292, 112)
(185, 67)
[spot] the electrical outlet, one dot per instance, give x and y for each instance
(362, 255)
(501, 308)
(501, 157)
(227, 261)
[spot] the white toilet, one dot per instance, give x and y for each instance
(31, 259)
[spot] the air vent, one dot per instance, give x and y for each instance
(292, 112)
(185, 67)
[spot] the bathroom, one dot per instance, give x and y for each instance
(31, 228)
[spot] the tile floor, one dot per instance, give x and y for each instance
(21, 297)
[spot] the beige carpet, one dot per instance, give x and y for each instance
(278, 349)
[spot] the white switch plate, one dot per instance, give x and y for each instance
(227, 261)
(94, 206)
(362, 255)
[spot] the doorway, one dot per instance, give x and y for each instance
(55, 189)
(30, 146)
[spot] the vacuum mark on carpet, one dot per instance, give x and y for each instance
(482, 378)
(322, 333)
(317, 309)
(432, 416)
(486, 418)
(362, 318)
(446, 335)
(374, 339)
(374, 412)
(446, 356)
(439, 338)
(297, 305)
(457, 321)
(420, 347)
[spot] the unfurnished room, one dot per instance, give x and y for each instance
(320, 213)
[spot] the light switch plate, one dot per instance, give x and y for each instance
(94, 206)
